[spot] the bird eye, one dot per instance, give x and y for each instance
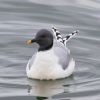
(43, 36)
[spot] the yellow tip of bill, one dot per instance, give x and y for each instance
(29, 42)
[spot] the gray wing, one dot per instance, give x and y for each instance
(31, 61)
(63, 54)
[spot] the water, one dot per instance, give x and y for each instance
(21, 19)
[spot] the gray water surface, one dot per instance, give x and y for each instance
(21, 19)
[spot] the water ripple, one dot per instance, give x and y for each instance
(21, 19)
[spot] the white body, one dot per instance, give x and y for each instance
(46, 66)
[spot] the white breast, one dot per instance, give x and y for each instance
(46, 66)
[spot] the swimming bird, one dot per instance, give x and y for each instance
(52, 60)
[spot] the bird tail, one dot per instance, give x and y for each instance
(57, 35)
(69, 36)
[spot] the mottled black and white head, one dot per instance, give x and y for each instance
(44, 38)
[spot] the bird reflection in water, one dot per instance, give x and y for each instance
(44, 90)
